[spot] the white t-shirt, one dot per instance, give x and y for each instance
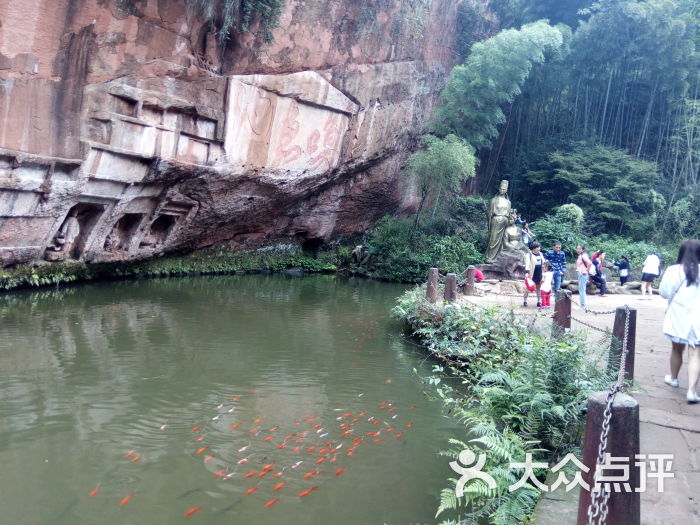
(683, 315)
(652, 265)
(547, 281)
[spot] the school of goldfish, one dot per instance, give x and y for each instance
(313, 450)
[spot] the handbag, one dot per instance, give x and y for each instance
(592, 269)
(530, 284)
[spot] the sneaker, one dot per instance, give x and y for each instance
(538, 305)
(524, 303)
(692, 397)
(670, 381)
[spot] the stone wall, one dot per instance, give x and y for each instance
(127, 130)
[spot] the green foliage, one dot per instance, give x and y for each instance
(516, 390)
(404, 254)
(614, 189)
(514, 13)
(236, 16)
(492, 75)
(440, 168)
(208, 261)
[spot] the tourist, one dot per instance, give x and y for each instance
(624, 266)
(650, 271)
(557, 259)
(533, 267)
(599, 278)
(583, 265)
(681, 287)
(478, 275)
(519, 219)
(546, 288)
(526, 235)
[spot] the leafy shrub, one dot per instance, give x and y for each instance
(527, 393)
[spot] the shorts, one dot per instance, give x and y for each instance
(648, 277)
(692, 340)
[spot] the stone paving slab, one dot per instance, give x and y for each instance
(668, 424)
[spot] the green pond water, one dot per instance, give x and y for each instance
(136, 401)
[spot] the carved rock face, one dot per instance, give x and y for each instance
(110, 113)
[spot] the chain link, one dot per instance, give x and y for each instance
(589, 311)
(598, 508)
(605, 331)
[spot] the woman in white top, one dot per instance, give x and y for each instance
(650, 271)
(681, 286)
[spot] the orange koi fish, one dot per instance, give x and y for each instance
(274, 429)
(126, 499)
(310, 449)
(268, 466)
(244, 460)
(307, 492)
(296, 449)
(200, 438)
(298, 440)
(235, 398)
(194, 429)
(376, 422)
(277, 475)
(344, 427)
(235, 425)
(361, 414)
(333, 458)
(191, 511)
(202, 450)
(377, 440)
(321, 460)
(271, 502)
(311, 474)
(268, 438)
(207, 459)
(257, 420)
(350, 452)
(219, 474)
(251, 474)
(339, 471)
(323, 451)
(373, 433)
(296, 421)
(263, 473)
(94, 492)
(130, 453)
(347, 414)
(391, 410)
(136, 458)
(280, 485)
(354, 420)
(409, 425)
(390, 429)
(398, 435)
(251, 490)
(281, 445)
(346, 433)
(412, 407)
(317, 425)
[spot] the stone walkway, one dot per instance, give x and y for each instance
(668, 425)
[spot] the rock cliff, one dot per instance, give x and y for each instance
(127, 130)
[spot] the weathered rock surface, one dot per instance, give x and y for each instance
(125, 131)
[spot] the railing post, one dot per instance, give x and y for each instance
(562, 312)
(470, 289)
(623, 442)
(451, 288)
(618, 332)
(431, 290)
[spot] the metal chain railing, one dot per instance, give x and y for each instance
(588, 325)
(589, 311)
(600, 496)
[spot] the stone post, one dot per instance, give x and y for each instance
(623, 442)
(451, 288)
(562, 312)
(470, 289)
(618, 332)
(432, 288)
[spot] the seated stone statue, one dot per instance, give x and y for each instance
(513, 238)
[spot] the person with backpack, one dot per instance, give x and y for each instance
(681, 287)
(533, 267)
(583, 270)
(599, 278)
